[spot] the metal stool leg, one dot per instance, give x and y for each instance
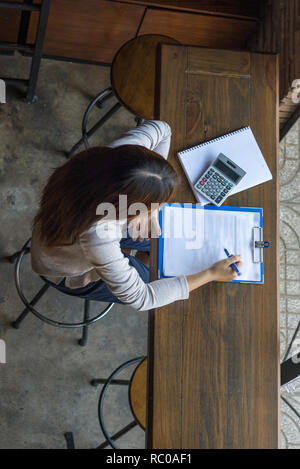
(95, 382)
(102, 101)
(86, 317)
(38, 51)
(15, 256)
(38, 296)
(118, 434)
(70, 440)
(98, 100)
(97, 126)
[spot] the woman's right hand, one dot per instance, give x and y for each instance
(223, 271)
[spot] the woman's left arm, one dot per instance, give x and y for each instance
(155, 135)
(101, 247)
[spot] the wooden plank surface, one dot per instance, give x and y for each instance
(198, 29)
(245, 9)
(279, 32)
(9, 24)
(93, 30)
(214, 359)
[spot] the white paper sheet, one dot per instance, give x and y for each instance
(240, 146)
(204, 237)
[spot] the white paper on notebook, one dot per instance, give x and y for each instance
(193, 252)
(240, 146)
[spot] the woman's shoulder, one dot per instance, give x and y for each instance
(103, 231)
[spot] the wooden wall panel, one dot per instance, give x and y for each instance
(9, 24)
(279, 32)
(95, 29)
(246, 8)
(198, 29)
(92, 30)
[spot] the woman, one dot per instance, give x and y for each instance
(71, 248)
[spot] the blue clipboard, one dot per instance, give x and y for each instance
(260, 243)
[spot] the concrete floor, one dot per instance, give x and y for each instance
(44, 385)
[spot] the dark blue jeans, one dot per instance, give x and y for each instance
(98, 291)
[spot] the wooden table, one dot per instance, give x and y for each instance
(213, 374)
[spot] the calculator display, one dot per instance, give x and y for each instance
(227, 171)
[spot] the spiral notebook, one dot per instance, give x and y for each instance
(240, 146)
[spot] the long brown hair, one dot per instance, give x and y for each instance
(100, 174)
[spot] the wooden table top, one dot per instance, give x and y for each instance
(213, 360)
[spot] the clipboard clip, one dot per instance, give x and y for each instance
(258, 244)
(262, 244)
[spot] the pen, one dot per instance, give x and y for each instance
(232, 265)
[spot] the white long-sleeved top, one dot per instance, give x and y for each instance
(93, 257)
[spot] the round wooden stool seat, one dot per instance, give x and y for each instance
(133, 73)
(138, 393)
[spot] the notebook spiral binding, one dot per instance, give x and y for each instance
(215, 140)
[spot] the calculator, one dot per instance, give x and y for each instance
(219, 180)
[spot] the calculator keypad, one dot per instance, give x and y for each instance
(214, 186)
